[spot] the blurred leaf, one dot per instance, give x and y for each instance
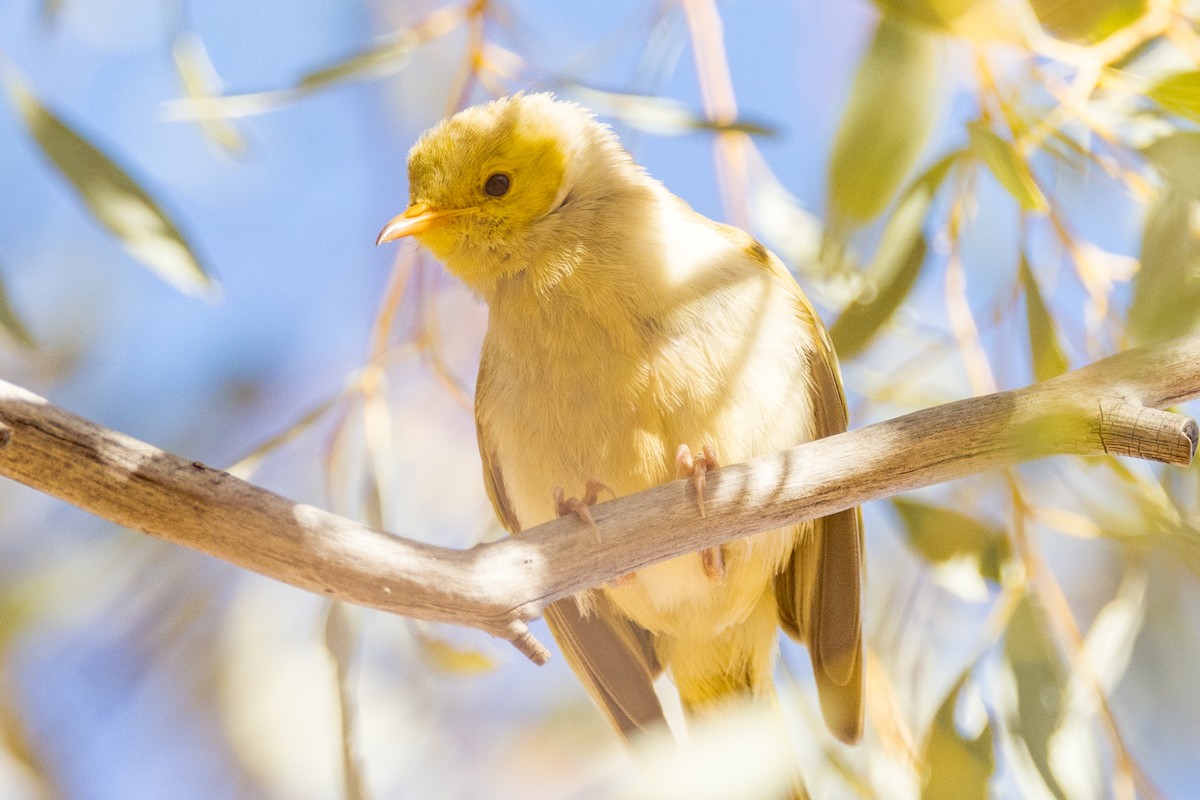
(896, 265)
(661, 116)
(1007, 167)
(1040, 679)
(940, 534)
(1086, 20)
(1166, 292)
(380, 60)
(11, 322)
(959, 768)
(449, 658)
(115, 199)
(1048, 358)
(891, 111)
(1179, 94)
(51, 10)
(201, 83)
(981, 20)
(1176, 157)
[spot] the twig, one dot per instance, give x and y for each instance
(499, 586)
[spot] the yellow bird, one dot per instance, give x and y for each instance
(630, 340)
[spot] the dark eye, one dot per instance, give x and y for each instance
(497, 184)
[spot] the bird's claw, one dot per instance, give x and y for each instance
(696, 468)
(712, 560)
(564, 505)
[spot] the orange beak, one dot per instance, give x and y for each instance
(417, 218)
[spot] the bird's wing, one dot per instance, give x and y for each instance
(819, 592)
(613, 659)
(612, 656)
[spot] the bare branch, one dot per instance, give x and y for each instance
(1108, 407)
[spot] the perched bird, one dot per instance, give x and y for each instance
(631, 341)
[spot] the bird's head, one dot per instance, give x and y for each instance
(483, 183)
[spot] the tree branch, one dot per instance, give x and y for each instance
(1108, 407)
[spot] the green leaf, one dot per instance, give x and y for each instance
(1041, 686)
(896, 265)
(959, 767)
(1048, 358)
(200, 81)
(11, 322)
(1086, 20)
(1012, 173)
(940, 534)
(380, 60)
(891, 111)
(1176, 157)
(1166, 292)
(1179, 94)
(115, 199)
(980, 20)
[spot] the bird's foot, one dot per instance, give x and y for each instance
(712, 560)
(564, 505)
(696, 468)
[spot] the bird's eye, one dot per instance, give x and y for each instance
(497, 184)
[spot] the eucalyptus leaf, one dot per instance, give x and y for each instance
(1041, 686)
(380, 60)
(980, 20)
(200, 81)
(1179, 94)
(1047, 355)
(661, 116)
(1166, 292)
(11, 322)
(892, 107)
(1086, 20)
(1007, 167)
(894, 270)
(959, 767)
(1176, 157)
(115, 200)
(941, 534)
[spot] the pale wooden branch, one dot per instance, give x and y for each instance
(1109, 407)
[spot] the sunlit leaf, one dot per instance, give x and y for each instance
(895, 268)
(1086, 20)
(1166, 292)
(941, 534)
(1041, 691)
(115, 199)
(1176, 157)
(893, 105)
(201, 83)
(450, 658)
(1007, 167)
(1179, 94)
(11, 322)
(959, 767)
(980, 20)
(1048, 358)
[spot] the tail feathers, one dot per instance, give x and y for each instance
(714, 675)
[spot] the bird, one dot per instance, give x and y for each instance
(632, 341)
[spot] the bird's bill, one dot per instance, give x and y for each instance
(417, 218)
